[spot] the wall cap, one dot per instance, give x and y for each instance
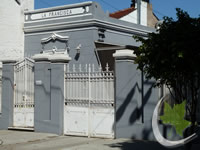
(59, 58)
(41, 57)
(9, 61)
(55, 58)
(124, 54)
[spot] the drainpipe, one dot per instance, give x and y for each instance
(138, 11)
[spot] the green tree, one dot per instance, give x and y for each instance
(171, 55)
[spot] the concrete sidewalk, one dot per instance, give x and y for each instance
(21, 140)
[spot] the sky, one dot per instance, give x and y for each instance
(161, 8)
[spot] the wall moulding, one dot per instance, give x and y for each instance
(54, 37)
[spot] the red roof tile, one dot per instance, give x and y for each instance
(122, 13)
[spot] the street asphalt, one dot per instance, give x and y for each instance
(21, 140)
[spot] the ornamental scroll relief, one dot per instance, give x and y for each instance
(55, 37)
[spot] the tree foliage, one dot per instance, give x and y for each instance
(171, 55)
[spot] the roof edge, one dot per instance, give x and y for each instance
(121, 13)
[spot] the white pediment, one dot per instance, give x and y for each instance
(54, 37)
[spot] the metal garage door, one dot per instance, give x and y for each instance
(89, 102)
(23, 114)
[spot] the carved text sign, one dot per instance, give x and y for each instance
(60, 13)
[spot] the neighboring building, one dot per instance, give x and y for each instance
(147, 17)
(11, 28)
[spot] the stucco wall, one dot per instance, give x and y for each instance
(82, 37)
(6, 117)
(136, 98)
(49, 97)
(11, 28)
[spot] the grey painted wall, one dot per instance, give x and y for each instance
(128, 98)
(81, 29)
(95, 12)
(84, 37)
(49, 97)
(6, 117)
(136, 99)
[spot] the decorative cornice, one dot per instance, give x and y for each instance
(54, 37)
(89, 22)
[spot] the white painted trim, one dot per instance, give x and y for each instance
(23, 59)
(55, 57)
(58, 13)
(58, 7)
(59, 58)
(119, 33)
(7, 61)
(57, 24)
(63, 31)
(81, 29)
(126, 60)
(81, 23)
(58, 18)
(41, 57)
(125, 53)
(53, 37)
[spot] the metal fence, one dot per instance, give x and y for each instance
(86, 85)
(24, 83)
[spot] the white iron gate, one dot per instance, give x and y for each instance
(89, 102)
(23, 115)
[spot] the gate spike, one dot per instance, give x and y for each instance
(86, 67)
(89, 67)
(100, 68)
(80, 68)
(68, 68)
(107, 67)
(93, 69)
(74, 68)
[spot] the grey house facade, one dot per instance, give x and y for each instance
(95, 58)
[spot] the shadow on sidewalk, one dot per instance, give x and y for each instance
(141, 145)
